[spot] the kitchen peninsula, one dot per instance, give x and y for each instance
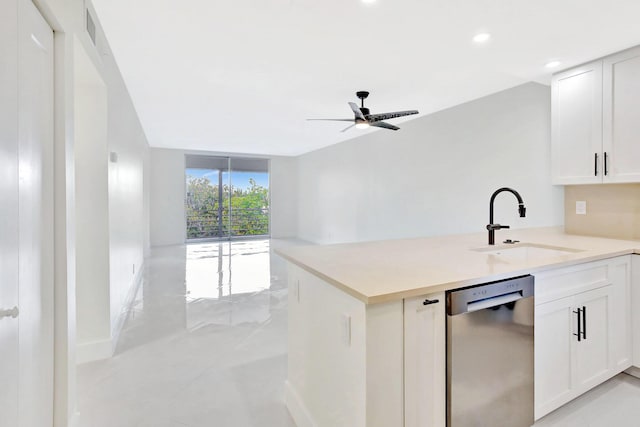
(367, 344)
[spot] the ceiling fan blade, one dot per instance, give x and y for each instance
(384, 125)
(387, 116)
(356, 110)
(334, 120)
(347, 128)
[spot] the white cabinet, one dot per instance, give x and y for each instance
(596, 121)
(621, 116)
(345, 357)
(553, 355)
(582, 334)
(593, 311)
(576, 122)
(635, 314)
(425, 361)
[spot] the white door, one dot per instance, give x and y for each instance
(576, 114)
(621, 116)
(35, 174)
(8, 214)
(26, 217)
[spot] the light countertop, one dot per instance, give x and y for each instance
(383, 271)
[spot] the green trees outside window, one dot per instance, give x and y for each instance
(228, 211)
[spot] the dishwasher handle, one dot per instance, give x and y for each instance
(493, 302)
(487, 295)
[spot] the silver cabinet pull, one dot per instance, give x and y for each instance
(13, 313)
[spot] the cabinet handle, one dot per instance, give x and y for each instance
(579, 334)
(584, 322)
(595, 164)
(430, 301)
(606, 171)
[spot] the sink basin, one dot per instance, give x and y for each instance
(526, 252)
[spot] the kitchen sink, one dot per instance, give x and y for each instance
(526, 252)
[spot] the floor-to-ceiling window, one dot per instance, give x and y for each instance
(227, 197)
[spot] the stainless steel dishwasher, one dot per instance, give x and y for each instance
(490, 354)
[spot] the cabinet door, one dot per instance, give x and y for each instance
(592, 360)
(425, 362)
(620, 350)
(621, 116)
(577, 125)
(554, 328)
(635, 313)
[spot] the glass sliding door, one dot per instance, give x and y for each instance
(249, 197)
(207, 201)
(226, 197)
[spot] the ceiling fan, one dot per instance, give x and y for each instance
(363, 119)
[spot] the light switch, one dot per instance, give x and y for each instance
(581, 207)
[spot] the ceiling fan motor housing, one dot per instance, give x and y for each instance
(365, 111)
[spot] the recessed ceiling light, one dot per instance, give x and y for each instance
(368, 1)
(552, 64)
(481, 38)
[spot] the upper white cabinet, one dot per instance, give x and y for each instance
(621, 116)
(576, 122)
(596, 121)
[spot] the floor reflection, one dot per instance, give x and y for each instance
(216, 270)
(204, 343)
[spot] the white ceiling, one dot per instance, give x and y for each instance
(241, 76)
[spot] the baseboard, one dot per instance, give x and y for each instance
(633, 371)
(118, 325)
(94, 350)
(296, 407)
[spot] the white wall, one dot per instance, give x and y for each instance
(283, 187)
(167, 214)
(92, 208)
(435, 176)
(128, 220)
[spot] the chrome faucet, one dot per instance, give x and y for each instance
(493, 227)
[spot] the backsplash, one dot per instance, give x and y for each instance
(613, 210)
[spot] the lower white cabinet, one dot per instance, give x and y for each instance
(635, 313)
(425, 361)
(582, 329)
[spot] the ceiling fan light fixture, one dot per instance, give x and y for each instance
(362, 126)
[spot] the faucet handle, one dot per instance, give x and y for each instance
(491, 227)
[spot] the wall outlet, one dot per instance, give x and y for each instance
(581, 207)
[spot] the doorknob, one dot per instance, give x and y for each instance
(13, 313)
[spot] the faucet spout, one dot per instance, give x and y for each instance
(493, 227)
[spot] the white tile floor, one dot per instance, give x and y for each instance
(205, 346)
